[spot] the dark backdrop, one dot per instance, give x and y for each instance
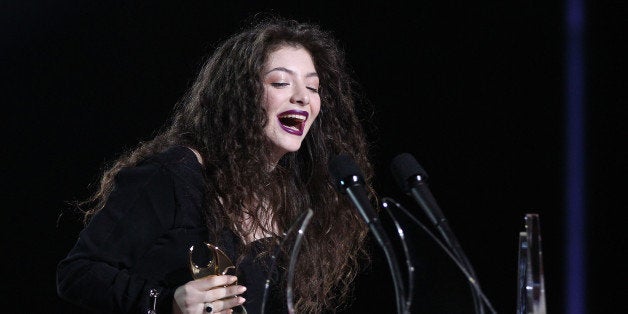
(474, 90)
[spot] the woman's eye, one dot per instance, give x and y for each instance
(279, 84)
(313, 89)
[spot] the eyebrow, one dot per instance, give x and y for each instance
(311, 74)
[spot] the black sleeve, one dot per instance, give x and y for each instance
(100, 272)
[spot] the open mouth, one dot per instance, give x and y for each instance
(293, 121)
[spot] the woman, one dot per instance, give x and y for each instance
(244, 156)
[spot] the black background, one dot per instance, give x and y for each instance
(473, 89)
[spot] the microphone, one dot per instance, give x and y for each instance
(412, 180)
(349, 181)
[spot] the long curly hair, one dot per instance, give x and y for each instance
(221, 116)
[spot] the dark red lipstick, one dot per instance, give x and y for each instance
(293, 121)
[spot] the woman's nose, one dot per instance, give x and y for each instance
(300, 96)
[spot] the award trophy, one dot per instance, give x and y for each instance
(209, 260)
(531, 286)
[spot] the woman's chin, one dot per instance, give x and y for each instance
(286, 148)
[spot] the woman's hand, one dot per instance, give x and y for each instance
(216, 292)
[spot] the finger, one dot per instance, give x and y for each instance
(210, 282)
(223, 292)
(225, 304)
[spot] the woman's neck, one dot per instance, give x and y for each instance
(248, 232)
(259, 227)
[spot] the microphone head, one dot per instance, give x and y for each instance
(345, 172)
(406, 171)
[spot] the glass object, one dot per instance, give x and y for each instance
(531, 283)
(303, 219)
(293, 260)
(209, 260)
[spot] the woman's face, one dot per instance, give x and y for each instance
(291, 98)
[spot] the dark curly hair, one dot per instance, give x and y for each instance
(221, 117)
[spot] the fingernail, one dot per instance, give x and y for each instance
(233, 278)
(241, 300)
(241, 289)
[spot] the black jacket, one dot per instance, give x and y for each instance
(141, 239)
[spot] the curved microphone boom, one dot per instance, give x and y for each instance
(412, 180)
(406, 251)
(293, 261)
(349, 181)
(302, 222)
(442, 245)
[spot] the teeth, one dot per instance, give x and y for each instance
(294, 116)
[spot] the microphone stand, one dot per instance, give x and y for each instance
(349, 181)
(426, 200)
(457, 260)
(409, 265)
(380, 235)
